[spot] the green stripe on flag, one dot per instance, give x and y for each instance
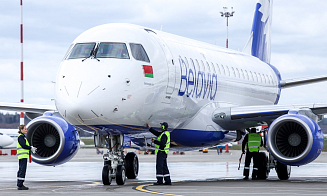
(148, 75)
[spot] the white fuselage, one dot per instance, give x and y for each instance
(190, 79)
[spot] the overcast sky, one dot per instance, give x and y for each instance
(299, 37)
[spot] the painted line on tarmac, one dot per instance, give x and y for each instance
(54, 186)
(143, 188)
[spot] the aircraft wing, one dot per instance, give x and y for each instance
(238, 118)
(22, 107)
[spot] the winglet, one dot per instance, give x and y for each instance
(258, 44)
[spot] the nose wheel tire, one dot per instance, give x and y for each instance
(120, 175)
(131, 165)
(106, 175)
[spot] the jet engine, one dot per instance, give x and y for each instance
(56, 140)
(295, 139)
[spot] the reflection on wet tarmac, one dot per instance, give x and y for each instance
(180, 171)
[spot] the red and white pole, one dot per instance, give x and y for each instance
(21, 62)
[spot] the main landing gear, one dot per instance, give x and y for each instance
(116, 165)
(269, 162)
(266, 164)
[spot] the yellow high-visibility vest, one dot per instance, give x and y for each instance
(167, 146)
(254, 142)
(21, 152)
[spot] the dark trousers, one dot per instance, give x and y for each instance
(248, 157)
(21, 172)
(162, 168)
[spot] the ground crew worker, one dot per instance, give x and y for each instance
(162, 145)
(253, 141)
(23, 153)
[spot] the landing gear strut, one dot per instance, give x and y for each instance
(116, 164)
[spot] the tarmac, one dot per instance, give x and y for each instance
(194, 173)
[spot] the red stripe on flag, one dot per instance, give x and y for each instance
(148, 69)
(22, 115)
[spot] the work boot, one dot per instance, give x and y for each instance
(167, 183)
(246, 178)
(22, 188)
(157, 183)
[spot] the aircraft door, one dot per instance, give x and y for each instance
(171, 69)
(170, 63)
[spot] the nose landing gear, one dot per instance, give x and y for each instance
(116, 164)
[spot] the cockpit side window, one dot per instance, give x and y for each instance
(112, 50)
(139, 53)
(82, 50)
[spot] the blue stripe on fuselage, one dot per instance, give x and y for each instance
(183, 137)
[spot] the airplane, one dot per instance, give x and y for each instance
(6, 141)
(116, 77)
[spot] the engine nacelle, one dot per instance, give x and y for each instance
(56, 140)
(295, 139)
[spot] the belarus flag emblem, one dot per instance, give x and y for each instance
(148, 71)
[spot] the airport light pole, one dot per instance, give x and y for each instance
(227, 15)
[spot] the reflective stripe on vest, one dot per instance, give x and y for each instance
(21, 152)
(167, 146)
(254, 142)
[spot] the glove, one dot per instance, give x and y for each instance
(33, 149)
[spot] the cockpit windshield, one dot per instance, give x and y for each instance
(101, 50)
(82, 50)
(112, 50)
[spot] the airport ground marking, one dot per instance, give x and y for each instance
(143, 188)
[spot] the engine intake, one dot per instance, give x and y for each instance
(55, 139)
(295, 139)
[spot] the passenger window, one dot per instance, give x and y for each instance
(203, 68)
(213, 68)
(186, 60)
(267, 79)
(233, 71)
(247, 75)
(272, 80)
(255, 77)
(196, 65)
(242, 74)
(251, 76)
(237, 73)
(224, 72)
(227, 70)
(218, 68)
(259, 78)
(112, 50)
(208, 67)
(139, 53)
(82, 50)
(264, 78)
